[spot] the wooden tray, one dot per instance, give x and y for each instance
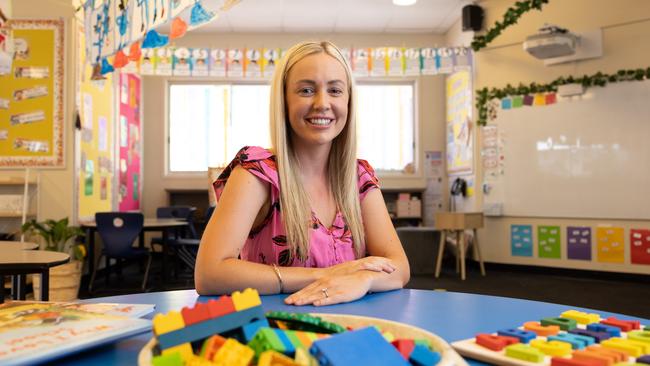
(399, 330)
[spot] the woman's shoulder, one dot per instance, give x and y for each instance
(367, 178)
(256, 160)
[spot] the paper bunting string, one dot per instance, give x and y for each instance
(135, 52)
(120, 60)
(97, 73)
(154, 40)
(199, 14)
(106, 67)
(179, 27)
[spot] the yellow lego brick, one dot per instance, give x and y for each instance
(185, 350)
(304, 358)
(164, 323)
(198, 361)
(246, 299)
(233, 353)
(581, 317)
(639, 335)
(524, 352)
(552, 348)
(624, 345)
(273, 358)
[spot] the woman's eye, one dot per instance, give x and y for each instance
(306, 91)
(336, 91)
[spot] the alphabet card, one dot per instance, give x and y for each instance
(610, 241)
(640, 246)
(578, 242)
(548, 238)
(521, 239)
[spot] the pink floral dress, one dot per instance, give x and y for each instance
(267, 243)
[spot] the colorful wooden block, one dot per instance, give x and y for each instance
(639, 335)
(624, 325)
(613, 331)
(422, 356)
(618, 356)
(246, 299)
(495, 342)
(542, 330)
(559, 361)
(645, 359)
(627, 346)
(606, 360)
(577, 341)
(364, 346)
(404, 347)
(563, 323)
(524, 352)
(598, 336)
(524, 336)
(581, 317)
(233, 353)
(551, 348)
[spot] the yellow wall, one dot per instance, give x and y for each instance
(625, 25)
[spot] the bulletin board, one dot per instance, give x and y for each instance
(31, 97)
(586, 156)
(459, 127)
(129, 185)
(95, 171)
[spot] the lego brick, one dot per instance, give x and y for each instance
(198, 313)
(495, 342)
(195, 360)
(388, 336)
(304, 358)
(209, 327)
(211, 346)
(643, 359)
(581, 317)
(524, 352)
(221, 306)
(563, 323)
(165, 323)
(524, 336)
(404, 347)
(598, 336)
(424, 342)
(551, 348)
(624, 325)
(639, 335)
(305, 322)
(624, 345)
(171, 359)
(559, 361)
(233, 353)
(364, 346)
(266, 339)
(542, 330)
(577, 341)
(293, 338)
(250, 329)
(246, 299)
(272, 358)
(611, 330)
(422, 356)
(289, 349)
(184, 350)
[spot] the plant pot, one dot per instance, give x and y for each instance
(64, 282)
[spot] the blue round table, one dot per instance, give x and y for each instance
(451, 315)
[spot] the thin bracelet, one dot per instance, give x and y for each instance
(277, 273)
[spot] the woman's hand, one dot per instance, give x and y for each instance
(372, 263)
(333, 289)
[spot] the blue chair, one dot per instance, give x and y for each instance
(177, 212)
(118, 231)
(188, 248)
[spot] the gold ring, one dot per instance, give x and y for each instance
(324, 290)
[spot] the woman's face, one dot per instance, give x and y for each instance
(317, 99)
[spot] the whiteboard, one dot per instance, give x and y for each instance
(583, 157)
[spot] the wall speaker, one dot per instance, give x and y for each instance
(472, 18)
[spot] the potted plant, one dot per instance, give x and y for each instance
(59, 236)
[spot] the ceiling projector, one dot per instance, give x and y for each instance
(551, 42)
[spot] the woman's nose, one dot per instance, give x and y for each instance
(321, 101)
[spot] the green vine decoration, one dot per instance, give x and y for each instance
(483, 96)
(509, 18)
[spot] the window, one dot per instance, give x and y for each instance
(209, 123)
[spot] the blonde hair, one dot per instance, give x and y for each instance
(342, 160)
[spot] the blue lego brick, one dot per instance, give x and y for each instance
(576, 341)
(597, 327)
(422, 356)
(359, 347)
(289, 348)
(250, 329)
(209, 327)
(598, 336)
(524, 336)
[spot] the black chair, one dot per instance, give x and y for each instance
(177, 212)
(118, 231)
(188, 248)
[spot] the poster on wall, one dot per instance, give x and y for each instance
(459, 125)
(31, 97)
(130, 143)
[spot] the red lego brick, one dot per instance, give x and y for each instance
(198, 313)
(221, 306)
(404, 346)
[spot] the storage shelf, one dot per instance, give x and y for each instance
(15, 214)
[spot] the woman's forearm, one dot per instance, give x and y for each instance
(382, 281)
(234, 275)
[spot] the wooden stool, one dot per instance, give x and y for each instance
(458, 222)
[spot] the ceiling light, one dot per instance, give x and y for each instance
(404, 2)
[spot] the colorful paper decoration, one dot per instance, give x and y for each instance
(120, 60)
(106, 67)
(578, 242)
(199, 15)
(611, 244)
(640, 246)
(521, 239)
(178, 29)
(550, 98)
(135, 52)
(548, 239)
(506, 103)
(517, 101)
(154, 40)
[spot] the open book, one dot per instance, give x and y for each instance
(32, 331)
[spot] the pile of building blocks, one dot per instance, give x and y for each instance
(574, 338)
(234, 330)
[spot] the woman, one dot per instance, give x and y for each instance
(306, 217)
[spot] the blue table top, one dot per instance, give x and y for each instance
(451, 315)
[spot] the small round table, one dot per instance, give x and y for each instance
(22, 262)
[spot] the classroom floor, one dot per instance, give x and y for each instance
(624, 294)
